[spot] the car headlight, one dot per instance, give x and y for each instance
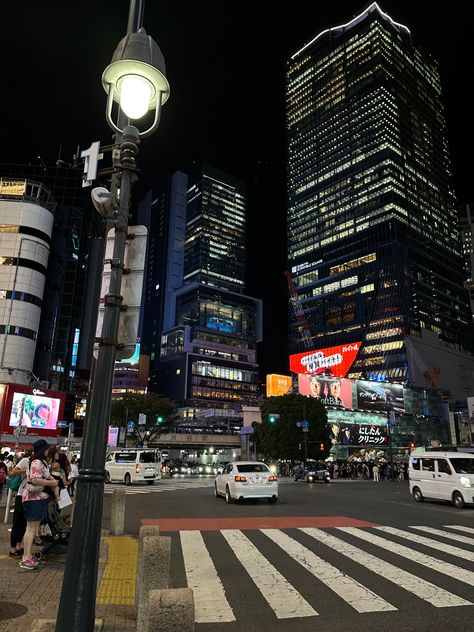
(465, 482)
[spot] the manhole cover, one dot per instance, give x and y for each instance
(9, 610)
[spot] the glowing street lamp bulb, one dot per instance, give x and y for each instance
(135, 96)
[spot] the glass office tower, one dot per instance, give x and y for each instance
(373, 240)
(215, 233)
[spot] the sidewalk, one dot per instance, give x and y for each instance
(29, 599)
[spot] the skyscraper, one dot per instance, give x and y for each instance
(200, 329)
(373, 239)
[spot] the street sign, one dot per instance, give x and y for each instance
(130, 425)
(141, 419)
(62, 423)
(305, 425)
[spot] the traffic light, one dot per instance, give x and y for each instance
(411, 445)
(159, 419)
(273, 418)
(321, 447)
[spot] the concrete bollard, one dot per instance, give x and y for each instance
(170, 610)
(145, 530)
(117, 512)
(154, 572)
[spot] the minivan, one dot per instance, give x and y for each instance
(442, 476)
(133, 465)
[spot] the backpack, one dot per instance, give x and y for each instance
(3, 473)
(14, 482)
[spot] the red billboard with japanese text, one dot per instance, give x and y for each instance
(334, 360)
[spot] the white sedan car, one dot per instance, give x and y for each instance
(246, 479)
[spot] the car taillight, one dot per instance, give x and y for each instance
(240, 479)
(273, 478)
(137, 468)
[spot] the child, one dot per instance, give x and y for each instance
(56, 474)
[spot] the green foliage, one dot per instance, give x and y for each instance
(284, 439)
(152, 405)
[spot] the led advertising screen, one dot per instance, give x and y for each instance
(380, 396)
(331, 391)
(278, 385)
(357, 429)
(34, 411)
(335, 360)
(225, 325)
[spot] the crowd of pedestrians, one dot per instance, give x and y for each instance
(358, 470)
(36, 478)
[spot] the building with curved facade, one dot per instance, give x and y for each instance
(26, 225)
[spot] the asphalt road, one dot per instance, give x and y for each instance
(334, 557)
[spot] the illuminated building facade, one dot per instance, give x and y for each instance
(215, 231)
(373, 239)
(467, 238)
(200, 329)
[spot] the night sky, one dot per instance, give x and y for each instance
(226, 67)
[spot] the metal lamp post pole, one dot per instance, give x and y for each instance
(77, 605)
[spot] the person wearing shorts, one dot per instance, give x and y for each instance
(35, 499)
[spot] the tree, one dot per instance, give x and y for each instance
(283, 438)
(160, 414)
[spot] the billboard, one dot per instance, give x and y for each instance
(35, 409)
(278, 385)
(380, 396)
(335, 360)
(331, 391)
(349, 428)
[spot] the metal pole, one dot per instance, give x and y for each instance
(78, 595)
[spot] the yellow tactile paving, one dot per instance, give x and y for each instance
(118, 581)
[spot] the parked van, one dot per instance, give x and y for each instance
(443, 476)
(133, 465)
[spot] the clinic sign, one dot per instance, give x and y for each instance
(334, 360)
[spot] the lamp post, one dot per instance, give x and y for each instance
(136, 80)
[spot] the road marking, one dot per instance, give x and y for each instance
(211, 605)
(450, 536)
(433, 544)
(445, 568)
(427, 591)
(285, 601)
(119, 579)
(268, 522)
(459, 527)
(359, 597)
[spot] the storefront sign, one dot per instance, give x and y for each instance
(278, 385)
(12, 187)
(333, 360)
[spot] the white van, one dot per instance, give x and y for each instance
(133, 465)
(442, 475)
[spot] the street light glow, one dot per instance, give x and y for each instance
(135, 96)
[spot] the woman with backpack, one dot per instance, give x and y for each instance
(35, 499)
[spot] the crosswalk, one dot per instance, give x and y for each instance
(308, 571)
(158, 487)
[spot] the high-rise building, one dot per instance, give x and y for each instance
(199, 328)
(373, 238)
(215, 231)
(466, 221)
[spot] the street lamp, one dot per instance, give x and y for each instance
(136, 80)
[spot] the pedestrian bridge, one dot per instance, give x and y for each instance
(198, 440)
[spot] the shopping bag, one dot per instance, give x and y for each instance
(64, 499)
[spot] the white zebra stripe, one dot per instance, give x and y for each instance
(459, 527)
(359, 597)
(429, 542)
(285, 601)
(468, 555)
(445, 568)
(427, 591)
(211, 605)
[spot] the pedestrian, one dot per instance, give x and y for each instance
(35, 499)
(3, 474)
(18, 481)
(375, 472)
(74, 475)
